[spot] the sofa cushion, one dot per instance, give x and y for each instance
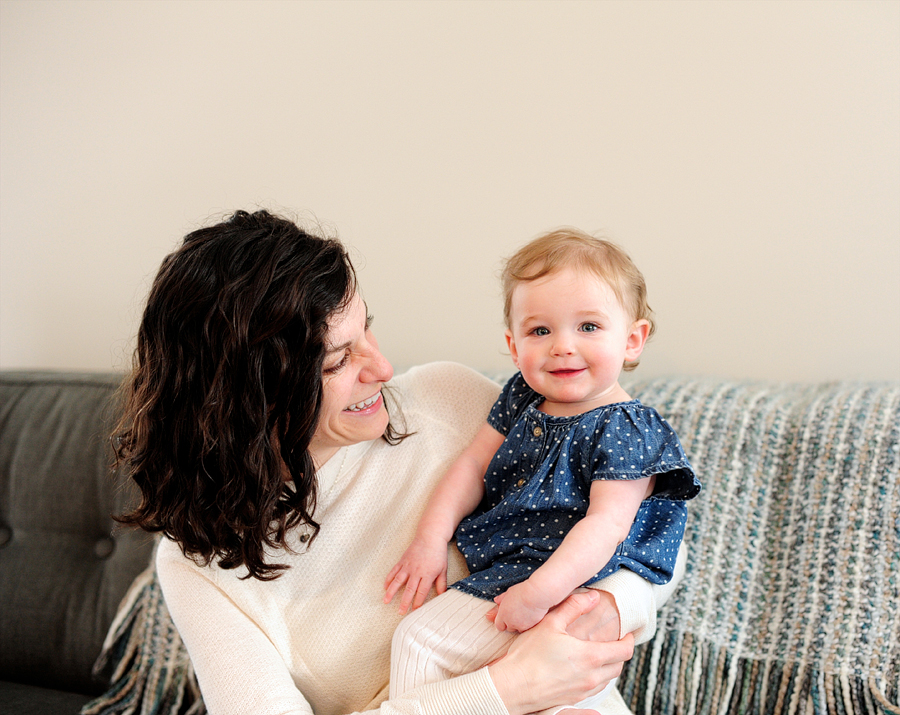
(64, 565)
(32, 700)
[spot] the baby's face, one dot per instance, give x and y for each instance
(570, 337)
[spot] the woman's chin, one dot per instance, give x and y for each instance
(367, 424)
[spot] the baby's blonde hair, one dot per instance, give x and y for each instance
(573, 248)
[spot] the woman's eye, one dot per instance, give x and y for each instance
(332, 369)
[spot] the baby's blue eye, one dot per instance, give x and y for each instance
(590, 327)
(541, 332)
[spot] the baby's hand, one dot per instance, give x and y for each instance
(423, 565)
(519, 608)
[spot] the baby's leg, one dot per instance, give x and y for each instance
(446, 637)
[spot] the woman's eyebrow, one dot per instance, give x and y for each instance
(339, 348)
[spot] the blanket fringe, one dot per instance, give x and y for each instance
(144, 660)
(695, 677)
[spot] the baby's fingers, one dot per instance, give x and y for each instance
(390, 577)
(394, 583)
(422, 593)
(440, 584)
(410, 595)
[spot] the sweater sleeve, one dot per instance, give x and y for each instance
(637, 600)
(238, 668)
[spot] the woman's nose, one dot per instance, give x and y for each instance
(377, 367)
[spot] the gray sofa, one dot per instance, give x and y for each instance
(64, 566)
(790, 603)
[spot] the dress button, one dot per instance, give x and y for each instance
(304, 538)
(520, 483)
(538, 431)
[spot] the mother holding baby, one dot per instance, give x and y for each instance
(287, 477)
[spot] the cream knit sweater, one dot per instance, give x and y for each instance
(317, 639)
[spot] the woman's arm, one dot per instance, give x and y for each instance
(240, 669)
(546, 666)
(424, 564)
(628, 604)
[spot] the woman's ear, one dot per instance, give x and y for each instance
(637, 338)
(511, 344)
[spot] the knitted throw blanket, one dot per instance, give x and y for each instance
(791, 602)
(144, 658)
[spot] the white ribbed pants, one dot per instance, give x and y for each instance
(450, 636)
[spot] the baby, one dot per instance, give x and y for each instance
(569, 480)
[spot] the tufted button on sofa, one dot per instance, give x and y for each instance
(64, 564)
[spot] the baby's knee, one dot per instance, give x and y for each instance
(411, 631)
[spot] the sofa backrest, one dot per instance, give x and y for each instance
(64, 563)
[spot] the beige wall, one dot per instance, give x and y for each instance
(746, 153)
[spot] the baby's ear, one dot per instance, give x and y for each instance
(511, 344)
(637, 338)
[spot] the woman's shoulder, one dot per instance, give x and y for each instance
(173, 568)
(442, 370)
(170, 559)
(167, 551)
(180, 574)
(448, 383)
(444, 394)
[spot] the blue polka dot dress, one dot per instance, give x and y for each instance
(538, 483)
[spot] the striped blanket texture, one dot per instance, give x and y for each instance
(791, 602)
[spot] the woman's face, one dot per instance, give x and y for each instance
(354, 370)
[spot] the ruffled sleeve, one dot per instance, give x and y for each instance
(634, 442)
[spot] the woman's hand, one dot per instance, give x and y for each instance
(599, 625)
(423, 565)
(547, 666)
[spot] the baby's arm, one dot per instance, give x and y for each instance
(457, 494)
(583, 552)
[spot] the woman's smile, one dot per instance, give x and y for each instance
(369, 404)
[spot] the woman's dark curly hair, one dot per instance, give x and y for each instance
(226, 388)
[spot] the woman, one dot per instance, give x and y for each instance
(257, 431)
